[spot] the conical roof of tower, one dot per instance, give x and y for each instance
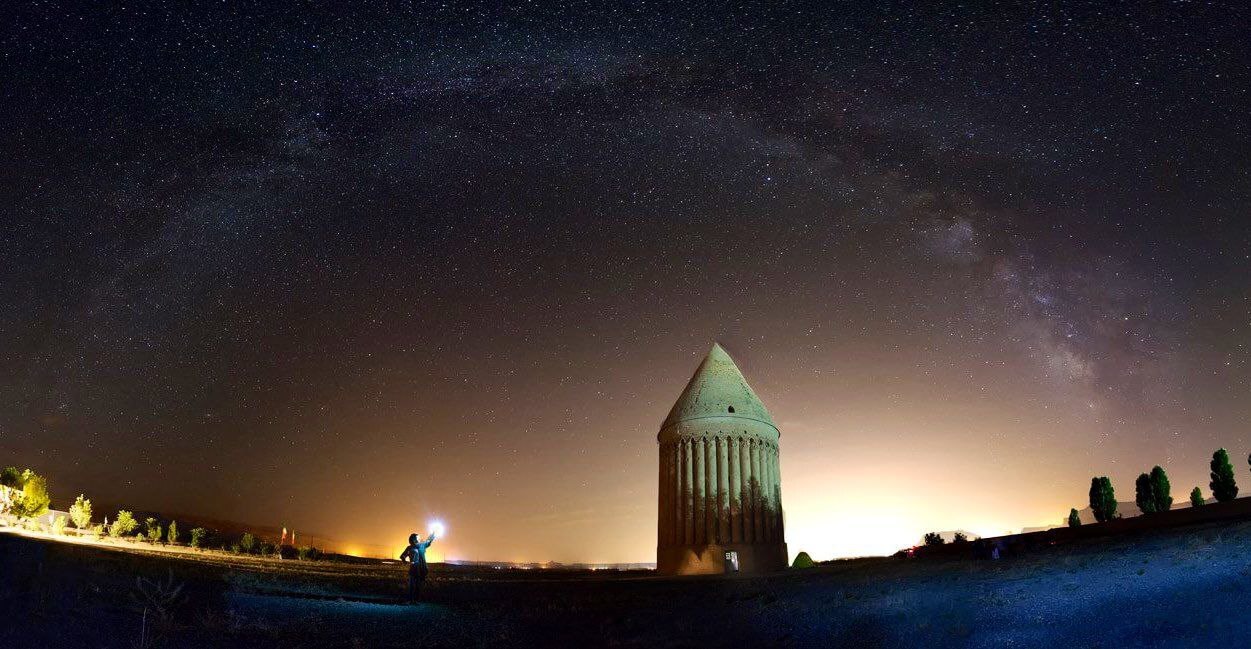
(718, 389)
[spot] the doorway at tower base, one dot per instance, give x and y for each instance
(713, 559)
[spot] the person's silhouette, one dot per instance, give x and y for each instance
(415, 555)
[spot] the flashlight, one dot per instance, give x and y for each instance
(436, 528)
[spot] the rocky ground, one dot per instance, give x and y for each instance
(1180, 588)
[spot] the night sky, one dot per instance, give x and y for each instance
(350, 270)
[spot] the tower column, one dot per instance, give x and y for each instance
(701, 500)
(723, 491)
(688, 491)
(757, 473)
(736, 492)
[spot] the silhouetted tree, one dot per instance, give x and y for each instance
(933, 538)
(960, 537)
(1102, 499)
(1224, 487)
(1160, 489)
(1196, 497)
(1075, 519)
(1142, 494)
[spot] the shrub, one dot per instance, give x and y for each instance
(11, 477)
(1224, 487)
(1142, 494)
(58, 525)
(802, 560)
(1075, 519)
(1196, 497)
(80, 512)
(33, 500)
(1161, 490)
(247, 542)
(198, 534)
(154, 530)
(265, 549)
(933, 538)
(960, 537)
(171, 533)
(124, 524)
(234, 547)
(306, 553)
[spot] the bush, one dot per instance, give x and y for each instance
(802, 560)
(960, 537)
(266, 549)
(306, 553)
(154, 530)
(124, 524)
(33, 500)
(1196, 497)
(247, 542)
(1224, 487)
(11, 477)
(198, 534)
(933, 538)
(234, 547)
(171, 534)
(1075, 519)
(80, 512)
(58, 525)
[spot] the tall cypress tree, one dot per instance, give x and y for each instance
(1160, 489)
(1096, 500)
(1224, 487)
(1075, 520)
(1142, 494)
(1109, 498)
(1196, 498)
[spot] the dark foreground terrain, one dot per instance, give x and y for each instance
(1179, 588)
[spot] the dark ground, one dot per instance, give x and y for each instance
(1178, 588)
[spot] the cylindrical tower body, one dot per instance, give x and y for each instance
(720, 488)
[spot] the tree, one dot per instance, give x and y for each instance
(124, 524)
(1075, 519)
(1224, 487)
(58, 525)
(933, 538)
(198, 534)
(171, 534)
(11, 477)
(1160, 489)
(247, 542)
(1196, 497)
(33, 500)
(1102, 499)
(154, 530)
(802, 560)
(80, 512)
(960, 537)
(1143, 496)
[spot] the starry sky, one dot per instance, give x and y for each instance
(347, 271)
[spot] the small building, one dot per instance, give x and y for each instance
(720, 502)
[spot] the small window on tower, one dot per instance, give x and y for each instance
(731, 408)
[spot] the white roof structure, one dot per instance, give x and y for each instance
(718, 389)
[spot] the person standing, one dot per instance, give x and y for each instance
(415, 555)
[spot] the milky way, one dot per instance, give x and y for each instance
(344, 272)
